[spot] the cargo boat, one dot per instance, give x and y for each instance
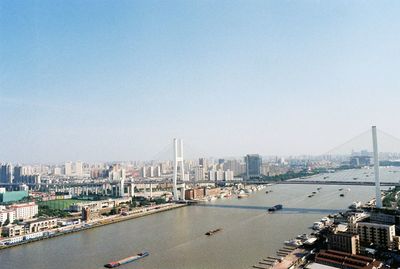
(275, 207)
(213, 231)
(126, 260)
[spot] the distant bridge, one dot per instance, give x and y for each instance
(350, 183)
(168, 181)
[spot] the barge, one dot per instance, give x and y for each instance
(126, 260)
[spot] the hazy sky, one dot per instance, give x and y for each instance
(117, 80)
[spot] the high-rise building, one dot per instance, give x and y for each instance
(143, 172)
(18, 173)
(219, 175)
(199, 173)
(203, 162)
(253, 166)
(150, 171)
(7, 173)
(78, 169)
(68, 169)
(157, 171)
(228, 175)
(235, 166)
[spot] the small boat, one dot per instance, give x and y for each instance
(293, 242)
(311, 195)
(317, 225)
(340, 189)
(126, 260)
(319, 188)
(275, 208)
(212, 232)
(240, 196)
(310, 241)
(341, 195)
(355, 205)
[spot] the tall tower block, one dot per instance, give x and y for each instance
(376, 169)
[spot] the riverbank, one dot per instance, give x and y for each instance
(98, 223)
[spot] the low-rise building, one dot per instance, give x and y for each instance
(345, 260)
(40, 225)
(97, 205)
(194, 194)
(213, 192)
(12, 230)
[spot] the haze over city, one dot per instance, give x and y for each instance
(118, 80)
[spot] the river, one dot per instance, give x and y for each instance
(175, 239)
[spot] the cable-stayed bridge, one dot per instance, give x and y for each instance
(359, 151)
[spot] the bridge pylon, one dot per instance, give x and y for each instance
(178, 162)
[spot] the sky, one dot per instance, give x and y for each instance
(118, 80)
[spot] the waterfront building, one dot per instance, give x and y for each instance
(25, 211)
(345, 260)
(253, 166)
(378, 234)
(6, 214)
(345, 242)
(12, 230)
(212, 191)
(110, 203)
(384, 218)
(194, 194)
(40, 225)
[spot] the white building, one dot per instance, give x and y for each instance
(78, 169)
(25, 211)
(143, 172)
(228, 175)
(211, 175)
(199, 173)
(68, 169)
(219, 175)
(7, 214)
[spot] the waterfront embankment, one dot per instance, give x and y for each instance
(98, 223)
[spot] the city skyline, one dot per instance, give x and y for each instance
(118, 81)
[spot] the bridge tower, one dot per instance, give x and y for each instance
(178, 161)
(376, 169)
